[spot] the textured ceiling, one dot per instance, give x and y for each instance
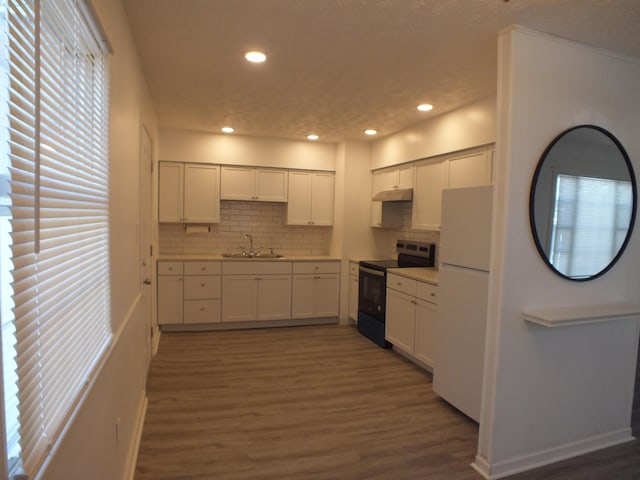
(336, 67)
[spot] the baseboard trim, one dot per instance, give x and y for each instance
(541, 458)
(199, 327)
(132, 457)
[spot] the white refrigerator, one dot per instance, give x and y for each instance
(465, 247)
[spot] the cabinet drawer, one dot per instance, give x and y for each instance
(202, 287)
(202, 268)
(401, 284)
(316, 267)
(202, 311)
(427, 292)
(169, 268)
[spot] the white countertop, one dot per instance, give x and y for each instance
(422, 274)
(179, 257)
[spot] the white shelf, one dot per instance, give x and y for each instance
(583, 314)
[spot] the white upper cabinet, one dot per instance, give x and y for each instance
(470, 170)
(433, 176)
(170, 187)
(310, 198)
(389, 214)
(430, 180)
(255, 184)
(201, 193)
(188, 193)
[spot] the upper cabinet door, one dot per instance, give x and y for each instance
(253, 184)
(299, 204)
(322, 193)
(471, 170)
(271, 185)
(170, 192)
(201, 193)
(405, 176)
(237, 183)
(310, 200)
(430, 180)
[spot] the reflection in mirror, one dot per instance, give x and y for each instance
(582, 204)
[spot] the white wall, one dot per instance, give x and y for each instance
(203, 147)
(469, 126)
(89, 447)
(552, 393)
(353, 237)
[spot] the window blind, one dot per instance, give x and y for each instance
(60, 212)
(590, 222)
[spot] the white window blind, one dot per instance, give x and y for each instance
(60, 213)
(591, 217)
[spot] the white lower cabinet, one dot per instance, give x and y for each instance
(256, 291)
(316, 289)
(188, 292)
(401, 320)
(247, 298)
(170, 299)
(193, 292)
(410, 317)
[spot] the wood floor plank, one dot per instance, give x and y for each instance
(306, 402)
(319, 403)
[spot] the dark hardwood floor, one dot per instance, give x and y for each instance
(313, 403)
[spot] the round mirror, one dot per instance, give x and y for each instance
(582, 204)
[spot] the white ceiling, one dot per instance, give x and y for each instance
(336, 67)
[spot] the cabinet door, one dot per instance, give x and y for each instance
(299, 199)
(425, 342)
(400, 320)
(303, 298)
(201, 193)
(237, 183)
(274, 297)
(271, 185)
(239, 298)
(170, 192)
(170, 299)
(470, 170)
(327, 295)
(405, 176)
(353, 298)
(322, 186)
(430, 180)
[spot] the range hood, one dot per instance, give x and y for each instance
(394, 195)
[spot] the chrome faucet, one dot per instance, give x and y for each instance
(248, 236)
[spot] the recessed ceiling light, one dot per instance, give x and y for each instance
(227, 129)
(312, 136)
(425, 107)
(370, 131)
(255, 56)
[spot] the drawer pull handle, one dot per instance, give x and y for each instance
(202, 284)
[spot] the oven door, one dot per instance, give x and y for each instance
(372, 292)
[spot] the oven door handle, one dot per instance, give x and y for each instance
(377, 273)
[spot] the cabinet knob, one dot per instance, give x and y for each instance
(202, 309)
(202, 284)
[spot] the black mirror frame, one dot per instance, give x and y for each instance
(532, 196)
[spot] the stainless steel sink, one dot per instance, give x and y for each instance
(256, 256)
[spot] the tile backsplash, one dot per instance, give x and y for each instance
(266, 222)
(406, 233)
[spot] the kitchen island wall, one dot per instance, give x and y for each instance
(265, 221)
